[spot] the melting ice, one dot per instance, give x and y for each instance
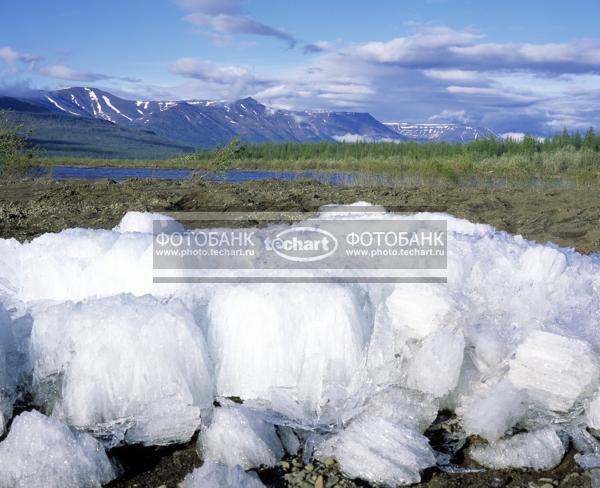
(352, 371)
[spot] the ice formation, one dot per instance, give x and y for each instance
(355, 371)
(7, 382)
(441, 351)
(237, 435)
(43, 451)
(593, 412)
(540, 449)
(215, 475)
(282, 345)
(491, 415)
(555, 370)
(379, 451)
(129, 369)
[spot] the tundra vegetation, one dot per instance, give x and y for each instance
(16, 157)
(570, 157)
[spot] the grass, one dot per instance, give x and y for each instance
(559, 160)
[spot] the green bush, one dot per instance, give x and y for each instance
(16, 158)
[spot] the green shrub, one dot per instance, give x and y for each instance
(16, 158)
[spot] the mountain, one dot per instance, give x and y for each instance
(206, 123)
(439, 132)
(90, 121)
(65, 135)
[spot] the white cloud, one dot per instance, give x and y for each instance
(452, 74)
(451, 116)
(227, 17)
(13, 59)
(64, 72)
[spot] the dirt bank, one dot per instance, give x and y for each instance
(567, 217)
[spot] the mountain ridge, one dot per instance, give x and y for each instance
(206, 124)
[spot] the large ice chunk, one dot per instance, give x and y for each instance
(377, 451)
(40, 451)
(417, 310)
(593, 412)
(494, 412)
(7, 380)
(402, 406)
(295, 343)
(237, 435)
(435, 366)
(215, 475)
(540, 449)
(553, 369)
(127, 368)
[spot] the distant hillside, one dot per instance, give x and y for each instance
(85, 121)
(64, 135)
(440, 132)
(16, 104)
(208, 123)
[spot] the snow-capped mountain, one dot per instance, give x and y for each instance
(206, 123)
(439, 132)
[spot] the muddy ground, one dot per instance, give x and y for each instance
(568, 217)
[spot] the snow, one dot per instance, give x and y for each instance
(128, 369)
(215, 475)
(143, 222)
(55, 103)
(539, 450)
(94, 98)
(357, 371)
(237, 435)
(108, 102)
(42, 451)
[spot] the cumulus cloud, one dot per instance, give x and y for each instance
(64, 72)
(441, 48)
(440, 74)
(9, 55)
(227, 17)
(227, 80)
(14, 60)
(204, 70)
(451, 116)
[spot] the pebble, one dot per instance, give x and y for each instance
(329, 462)
(319, 482)
(332, 481)
(572, 477)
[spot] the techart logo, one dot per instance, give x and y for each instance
(303, 244)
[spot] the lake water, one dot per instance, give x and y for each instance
(229, 176)
(336, 178)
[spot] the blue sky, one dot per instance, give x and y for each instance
(513, 66)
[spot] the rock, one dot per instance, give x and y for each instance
(572, 477)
